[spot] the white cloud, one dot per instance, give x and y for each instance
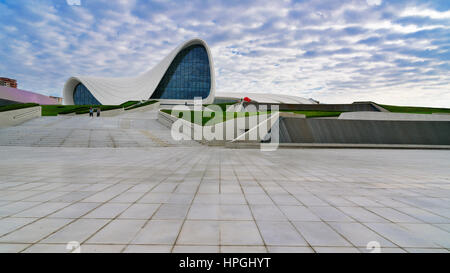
(73, 2)
(425, 12)
(332, 51)
(374, 2)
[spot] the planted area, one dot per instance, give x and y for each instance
(141, 104)
(190, 116)
(17, 106)
(415, 110)
(54, 110)
(129, 103)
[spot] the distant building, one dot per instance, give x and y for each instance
(9, 95)
(58, 99)
(8, 82)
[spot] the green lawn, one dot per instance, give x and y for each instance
(17, 106)
(54, 110)
(141, 104)
(129, 103)
(189, 115)
(414, 109)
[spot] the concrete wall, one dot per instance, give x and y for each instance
(259, 132)
(393, 116)
(354, 107)
(15, 117)
(233, 129)
(297, 130)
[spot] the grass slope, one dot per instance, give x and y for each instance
(141, 105)
(189, 116)
(17, 106)
(54, 110)
(415, 109)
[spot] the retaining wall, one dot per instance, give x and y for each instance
(354, 107)
(231, 129)
(15, 117)
(393, 116)
(301, 130)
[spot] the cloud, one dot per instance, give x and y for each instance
(424, 12)
(334, 51)
(74, 2)
(373, 2)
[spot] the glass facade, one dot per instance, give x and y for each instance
(82, 96)
(188, 76)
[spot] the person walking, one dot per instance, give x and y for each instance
(98, 112)
(91, 112)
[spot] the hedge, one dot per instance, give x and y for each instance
(17, 106)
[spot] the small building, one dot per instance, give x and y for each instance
(8, 82)
(58, 99)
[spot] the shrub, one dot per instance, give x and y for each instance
(17, 106)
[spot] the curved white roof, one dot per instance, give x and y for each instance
(266, 98)
(113, 91)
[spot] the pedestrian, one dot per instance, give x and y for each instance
(91, 112)
(98, 112)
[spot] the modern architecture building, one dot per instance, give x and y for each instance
(186, 73)
(8, 82)
(222, 97)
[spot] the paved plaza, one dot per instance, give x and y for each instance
(139, 191)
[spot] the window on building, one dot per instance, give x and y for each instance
(188, 76)
(82, 96)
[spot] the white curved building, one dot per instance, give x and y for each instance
(186, 73)
(263, 98)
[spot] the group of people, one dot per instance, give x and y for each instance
(91, 112)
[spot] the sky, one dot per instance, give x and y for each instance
(391, 52)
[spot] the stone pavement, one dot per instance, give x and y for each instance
(213, 199)
(188, 198)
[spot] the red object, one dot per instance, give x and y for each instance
(247, 99)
